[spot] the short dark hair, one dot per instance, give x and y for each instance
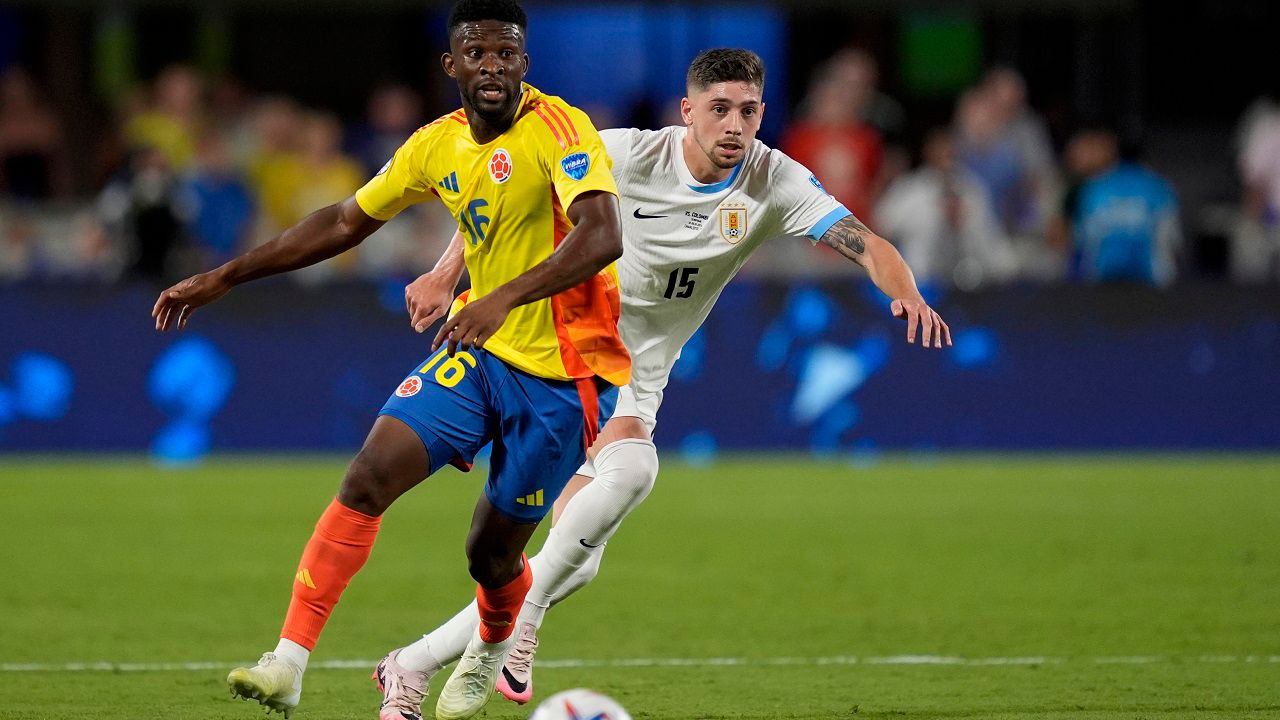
(725, 65)
(507, 11)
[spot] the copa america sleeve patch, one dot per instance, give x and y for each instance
(576, 165)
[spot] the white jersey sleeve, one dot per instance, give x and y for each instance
(806, 207)
(618, 143)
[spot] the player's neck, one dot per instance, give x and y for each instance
(699, 165)
(485, 130)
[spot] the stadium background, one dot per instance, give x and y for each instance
(1109, 533)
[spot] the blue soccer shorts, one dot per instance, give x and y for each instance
(540, 428)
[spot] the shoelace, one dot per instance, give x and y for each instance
(402, 695)
(520, 658)
(475, 677)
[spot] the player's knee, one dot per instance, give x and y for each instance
(629, 467)
(366, 487)
(491, 570)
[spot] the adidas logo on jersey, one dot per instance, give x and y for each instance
(450, 183)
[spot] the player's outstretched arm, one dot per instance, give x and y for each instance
(890, 273)
(594, 242)
(321, 235)
(428, 298)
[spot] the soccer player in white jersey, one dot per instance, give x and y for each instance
(697, 200)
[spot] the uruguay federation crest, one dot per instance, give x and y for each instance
(500, 166)
(733, 224)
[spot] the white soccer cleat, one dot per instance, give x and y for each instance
(402, 690)
(516, 680)
(471, 686)
(274, 682)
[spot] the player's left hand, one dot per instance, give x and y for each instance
(920, 316)
(471, 326)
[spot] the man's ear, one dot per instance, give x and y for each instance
(446, 62)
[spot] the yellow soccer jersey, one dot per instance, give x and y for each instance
(509, 197)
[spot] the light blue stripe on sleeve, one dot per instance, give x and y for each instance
(821, 227)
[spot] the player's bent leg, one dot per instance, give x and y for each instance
(495, 550)
(626, 467)
(392, 461)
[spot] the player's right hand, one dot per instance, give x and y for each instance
(174, 307)
(427, 299)
(920, 316)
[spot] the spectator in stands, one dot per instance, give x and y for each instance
(1089, 153)
(275, 164)
(832, 140)
(941, 219)
(1006, 145)
(221, 203)
(1126, 226)
(172, 120)
(1255, 245)
(328, 176)
(144, 211)
(395, 111)
(33, 156)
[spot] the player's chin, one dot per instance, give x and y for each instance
(727, 159)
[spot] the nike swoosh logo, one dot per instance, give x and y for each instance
(588, 545)
(515, 684)
(641, 216)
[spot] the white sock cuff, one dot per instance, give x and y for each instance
(626, 444)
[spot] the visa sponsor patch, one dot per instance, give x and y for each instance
(576, 165)
(500, 165)
(409, 387)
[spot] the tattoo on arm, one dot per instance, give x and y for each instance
(848, 237)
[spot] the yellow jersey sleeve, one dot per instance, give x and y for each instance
(575, 153)
(402, 181)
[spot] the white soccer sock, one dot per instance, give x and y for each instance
(442, 645)
(293, 652)
(625, 473)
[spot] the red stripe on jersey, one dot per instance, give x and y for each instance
(589, 396)
(459, 116)
(560, 114)
(540, 111)
(568, 137)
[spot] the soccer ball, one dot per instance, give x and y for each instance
(579, 704)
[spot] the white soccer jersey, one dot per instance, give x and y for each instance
(684, 241)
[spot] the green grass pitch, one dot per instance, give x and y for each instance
(1117, 586)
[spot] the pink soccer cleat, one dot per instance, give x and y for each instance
(515, 682)
(402, 690)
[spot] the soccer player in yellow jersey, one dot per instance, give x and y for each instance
(530, 359)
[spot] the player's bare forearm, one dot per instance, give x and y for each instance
(320, 236)
(890, 273)
(883, 263)
(428, 298)
(451, 262)
(594, 242)
(323, 234)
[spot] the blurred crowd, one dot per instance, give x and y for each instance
(193, 173)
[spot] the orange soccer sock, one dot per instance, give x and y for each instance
(500, 606)
(335, 553)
